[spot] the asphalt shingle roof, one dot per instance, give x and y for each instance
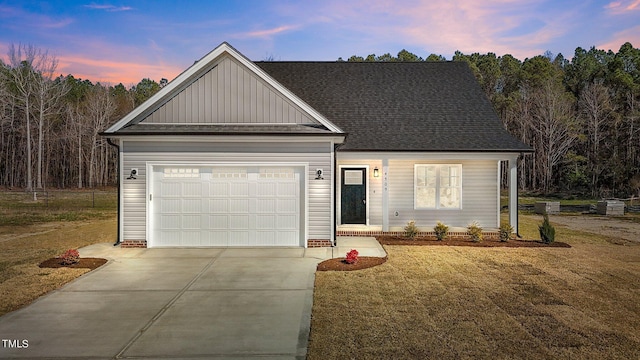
(399, 106)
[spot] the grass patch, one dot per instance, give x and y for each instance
(19, 208)
(22, 248)
(461, 302)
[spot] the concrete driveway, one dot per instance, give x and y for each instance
(174, 303)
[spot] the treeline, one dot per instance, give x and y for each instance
(581, 116)
(50, 125)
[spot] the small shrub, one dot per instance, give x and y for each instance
(441, 231)
(474, 231)
(547, 231)
(352, 257)
(505, 232)
(70, 257)
(411, 230)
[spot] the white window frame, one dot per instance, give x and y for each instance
(438, 186)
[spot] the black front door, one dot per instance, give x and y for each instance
(353, 196)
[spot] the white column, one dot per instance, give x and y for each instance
(513, 192)
(385, 194)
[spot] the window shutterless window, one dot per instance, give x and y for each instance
(438, 186)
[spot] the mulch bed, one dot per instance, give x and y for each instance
(84, 263)
(338, 264)
(396, 240)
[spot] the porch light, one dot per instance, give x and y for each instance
(375, 172)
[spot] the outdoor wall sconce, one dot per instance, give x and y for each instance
(319, 174)
(375, 172)
(132, 175)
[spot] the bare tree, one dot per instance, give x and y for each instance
(48, 97)
(98, 108)
(554, 123)
(22, 76)
(596, 110)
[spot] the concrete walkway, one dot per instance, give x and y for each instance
(178, 304)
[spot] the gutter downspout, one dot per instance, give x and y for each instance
(118, 183)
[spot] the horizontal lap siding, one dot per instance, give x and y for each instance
(479, 195)
(317, 155)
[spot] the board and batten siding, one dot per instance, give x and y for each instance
(229, 93)
(479, 195)
(137, 154)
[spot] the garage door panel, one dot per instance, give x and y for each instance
(239, 238)
(239, 206)
(169, 205)
(287, 189)
(170, 189)
(191, 222)
(237, 188)
(219, 188)
(264, 222)
(266, 189)
(192, 188)
(238, 221)
(287, 222)
(266, 238)
(191, 206)
(226, 207)
(219, 222)
(265, 206)
(170, 222)
(286, 206)
(218, 206)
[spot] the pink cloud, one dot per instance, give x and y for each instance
(108, 7)
(466, 25)
(622, 6)
(631, 35)
(114, 72)
(268, 32)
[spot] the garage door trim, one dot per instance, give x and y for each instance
(150, 165)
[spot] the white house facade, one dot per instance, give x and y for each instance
(237, 153)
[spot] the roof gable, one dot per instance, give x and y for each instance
(223, 88)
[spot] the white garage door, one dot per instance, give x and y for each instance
(224, 206)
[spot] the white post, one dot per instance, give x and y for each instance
(513, 193)
(385, 194)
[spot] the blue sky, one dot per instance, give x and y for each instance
(125, 41)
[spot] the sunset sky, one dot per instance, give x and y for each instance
(126, 41)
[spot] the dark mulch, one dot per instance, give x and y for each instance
(363, 262)
(88, 263)
(395, 240)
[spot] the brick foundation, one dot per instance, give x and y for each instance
(458, 235)
(314, 243)
(133, 244)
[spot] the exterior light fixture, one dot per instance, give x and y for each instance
(132, 175)
(319, 174)
(375, 172)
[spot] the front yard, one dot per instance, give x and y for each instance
(439, 302)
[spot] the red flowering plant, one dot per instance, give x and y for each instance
(352, 257)
(70, 257)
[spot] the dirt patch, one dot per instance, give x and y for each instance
(83, 263)
(364, 262)
(620, 230)
(395, 240)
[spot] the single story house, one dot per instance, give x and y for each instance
(240, 153)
